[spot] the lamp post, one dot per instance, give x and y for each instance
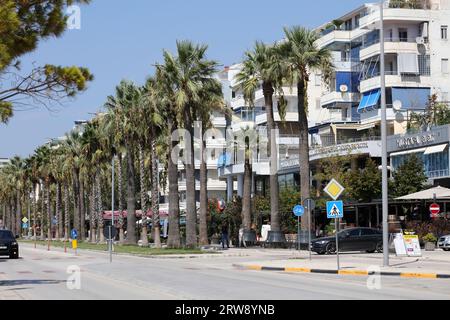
(384, 142)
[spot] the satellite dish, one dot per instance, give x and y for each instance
(397, 105)
(344, 88)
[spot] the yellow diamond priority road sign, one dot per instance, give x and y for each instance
(334, 189)
(25, 220)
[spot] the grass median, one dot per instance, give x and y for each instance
(129, 249)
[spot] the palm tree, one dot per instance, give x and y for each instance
(17, 175)
(302, 55)
(264, 65)
(211, 97)
(189, 72)
(124, 106)
(170, 115)
(153, 123)
(74, 158)
(43, 167)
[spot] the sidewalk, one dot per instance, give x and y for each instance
(432, 265)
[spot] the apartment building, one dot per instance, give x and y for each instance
(344, 114)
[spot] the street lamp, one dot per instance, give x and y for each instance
(384, 142)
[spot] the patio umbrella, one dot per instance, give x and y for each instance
(440, 192)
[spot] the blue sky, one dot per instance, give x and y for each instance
(123, 39)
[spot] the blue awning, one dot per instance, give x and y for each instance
(374, 98)
(369, 100)
(363, 103)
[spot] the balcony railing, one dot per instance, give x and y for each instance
(437, 174)
(329, 141)
(374, 41)
(375, 74)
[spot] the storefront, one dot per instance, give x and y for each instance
(432, 147)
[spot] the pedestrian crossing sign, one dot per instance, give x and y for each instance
(335, 210)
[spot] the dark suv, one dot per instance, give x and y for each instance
(8, 245)
(356, 239)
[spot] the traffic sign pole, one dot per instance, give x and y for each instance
(298, 211)
(337, 244)
(309, 241)
(298, 233)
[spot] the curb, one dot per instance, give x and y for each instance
(138, 255)
(344, 272)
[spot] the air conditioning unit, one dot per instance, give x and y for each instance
(420, 40)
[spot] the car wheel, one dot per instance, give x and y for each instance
(14, 256)
(379, 247)
(370, 251)
(446, 249)
(331, 248)
(321, 253)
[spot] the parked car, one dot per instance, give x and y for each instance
(355, 239)
(444, 243)
(8, 245)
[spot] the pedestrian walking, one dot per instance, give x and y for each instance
(241, 237)
(225, 237)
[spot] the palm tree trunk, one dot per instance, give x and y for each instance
(131, 198)
(100, 221)
(273, 153)
(49, 211)
(34, 211)
(246, 200)
(203, 227)
(76, 200)
(155, 197)
(59, 229)
(42, 226)
(144, 207)
(93, 217)
(305, 174)
(2, 225)
(66, 212)
(191, 205)
(18, 213)
(120, 195)
(82, 212)
(174, 240)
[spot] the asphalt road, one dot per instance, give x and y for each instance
(44, 275)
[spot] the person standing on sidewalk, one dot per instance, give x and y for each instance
(225, 237)
(241, 237)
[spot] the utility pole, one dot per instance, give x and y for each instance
(384, 142)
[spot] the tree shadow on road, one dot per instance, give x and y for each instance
(12, 283)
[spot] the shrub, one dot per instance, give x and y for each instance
(430, 238)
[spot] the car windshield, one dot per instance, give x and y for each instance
(6, 235)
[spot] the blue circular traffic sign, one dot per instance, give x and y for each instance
(299, 211)
(74, 234)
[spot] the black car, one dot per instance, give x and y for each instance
(356, 239)
(8, 245)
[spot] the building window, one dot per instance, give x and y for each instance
(444, 66)
(357, 18)
(403, 35)
(424, 65)
(444, 32)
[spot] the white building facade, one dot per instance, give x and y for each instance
(344, 114)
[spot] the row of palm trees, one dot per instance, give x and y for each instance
(70, 178)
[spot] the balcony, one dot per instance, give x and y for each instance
(394, 14)
(393, 79)
(213, 185)
(338, 97)
(334, 36)
(392, 45)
